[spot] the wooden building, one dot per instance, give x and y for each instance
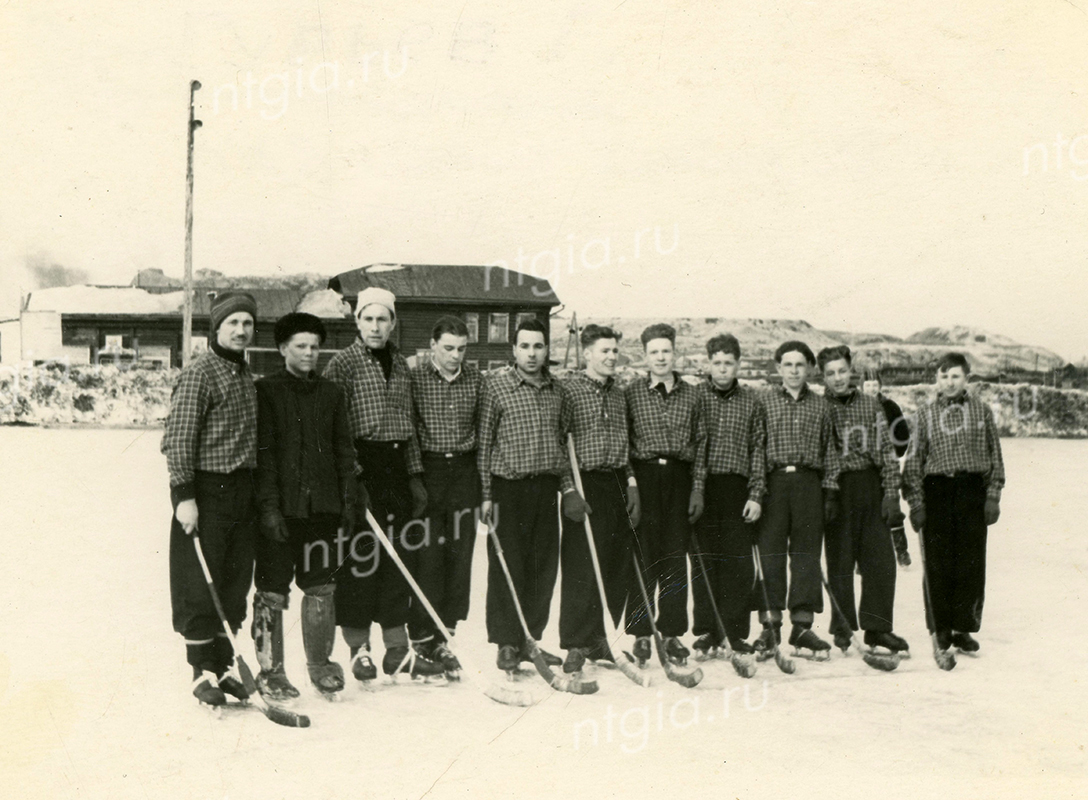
(491, 300)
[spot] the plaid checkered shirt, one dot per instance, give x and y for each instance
(212, 424)
(662, 427)
(953, 436)
(378, 410)
(733, 437)
(596, 413)
(521, 428)
(801, 433)
(863, 438)
(445, 411)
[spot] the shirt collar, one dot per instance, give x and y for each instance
(441, 375)
(235, 360)
(846, 399)
(604, 386)
(724, 394)
(957, 401)
(800, 395)
(674, 375)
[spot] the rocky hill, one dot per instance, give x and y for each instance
(988, 353)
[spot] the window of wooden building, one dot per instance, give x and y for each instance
(472, 322)
(498, 331)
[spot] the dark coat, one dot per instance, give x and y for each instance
(897, 425)
(305, 457)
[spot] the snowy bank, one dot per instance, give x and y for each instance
(113, 396)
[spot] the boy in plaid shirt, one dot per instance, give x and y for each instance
(729, 472)
(868, 498)
(662, 413)
(445, 398)
(520, 458)
(802, 481)
(952, 481)
(210, 442)
(375, 379)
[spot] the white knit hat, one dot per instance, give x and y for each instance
(371, 295)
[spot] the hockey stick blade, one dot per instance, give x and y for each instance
(572, 685)
(281, 716)
(688, 680)
(509, 697)
(945, 660)
(884, 663)
(746, 669)
(561, 684)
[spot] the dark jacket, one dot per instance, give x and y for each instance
(305, 458)
(897, 425)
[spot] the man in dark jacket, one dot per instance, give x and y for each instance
(305, 490)
(899, 432)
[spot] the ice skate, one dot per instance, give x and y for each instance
(274, 685)
(842, 641)
(675, 651)
(575, 661)
(401, 658)
(767, 641)
(444, 656)
(965, 643)
(643, 650)
(507, 660)
(807, 644)
(706, 646)
(230, 683)
(362, 665)
(207, 691)
(887, 642)
(741, 647)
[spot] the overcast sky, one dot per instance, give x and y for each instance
(858, 166)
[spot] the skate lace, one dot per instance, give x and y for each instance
(210, 677)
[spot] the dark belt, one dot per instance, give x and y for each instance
(663, 461)
(788, 468)
(382, 445)
(959, 474)
(436, 454)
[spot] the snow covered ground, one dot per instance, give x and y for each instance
(94, 698)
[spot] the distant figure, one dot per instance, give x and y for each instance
(899, 431)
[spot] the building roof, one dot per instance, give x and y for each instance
(445, 283)
(128, 301)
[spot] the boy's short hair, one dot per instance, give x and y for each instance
(794, 346)
(592, 333)
(455, 326)
(829, 354)
(533, 326)
(723, 343)
(950, 360)
(297, 322)
(658, 331)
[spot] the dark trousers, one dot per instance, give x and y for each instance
(725, 541)
(369, 586)
(955, 547)
(308, 557)
(860, 537)
(527, 525)
(793, 524)
(581, 619)
(226, 527)
(444, 563)
(662, 540)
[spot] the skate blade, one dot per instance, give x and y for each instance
(968, 653)
(453, 676)
(885, 651)
(812, 655)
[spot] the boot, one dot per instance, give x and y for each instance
(741, 647)
(576, 659)
(705, 644)
(642, 650)
(362, 665)
(444, 656)
(402, 658)
(507, 659)
(842, 641)
(318, 638)
(206, 689)
(675, 651)
(887, 640)
(768, 640)
(802, 638)
(965, 643)
(550, 659)
(267, 631)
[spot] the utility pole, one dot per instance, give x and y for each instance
(187, 283)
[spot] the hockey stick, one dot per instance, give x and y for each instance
(944, 658)
(885, 663)
(624, 664)
(278, 714)
(499, 694)
(784, 664)
(572, 685)
(688, 680)
(744, 668)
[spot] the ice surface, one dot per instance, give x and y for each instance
(96, 701)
